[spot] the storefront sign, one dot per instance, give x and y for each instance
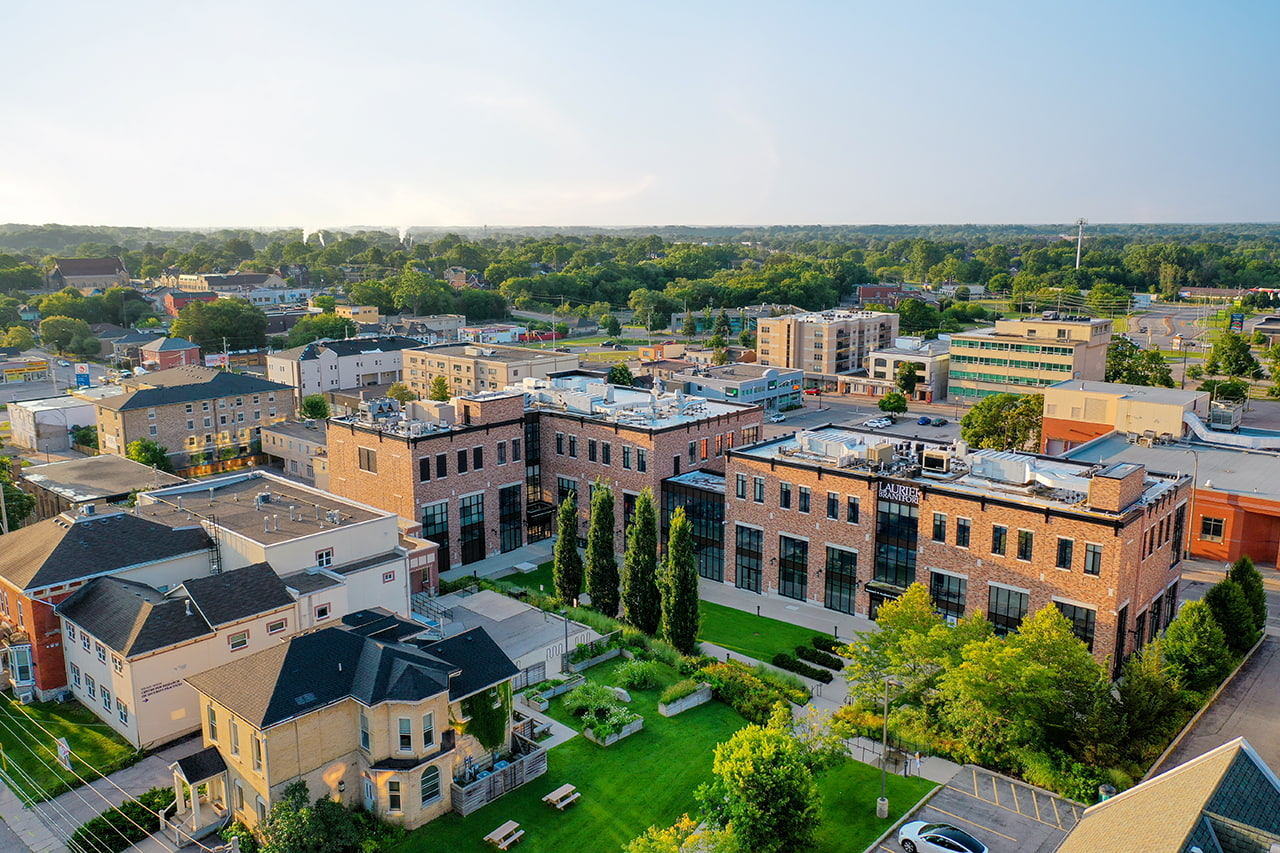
(900, 493)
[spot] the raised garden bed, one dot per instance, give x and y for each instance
(701, 696)
(626, 731)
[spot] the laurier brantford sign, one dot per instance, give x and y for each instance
(899, 492)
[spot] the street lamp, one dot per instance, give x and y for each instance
(882, 804)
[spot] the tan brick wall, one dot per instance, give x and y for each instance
(117, 429)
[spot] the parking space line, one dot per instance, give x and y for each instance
(1058, 825)
(975, 783)
(995, 789)
(1056, 814)
(1035, 801)
(1016, 806)
(983, 827)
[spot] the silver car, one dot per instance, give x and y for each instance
(920, 837)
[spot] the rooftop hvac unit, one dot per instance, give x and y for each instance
(27, 698)
(936, 460)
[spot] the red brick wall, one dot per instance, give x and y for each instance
(44, 629)
(1069, 433)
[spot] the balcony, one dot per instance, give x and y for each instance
(480, 783)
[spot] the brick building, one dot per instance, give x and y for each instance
(485, 472)
(164, 353)
(848, 520)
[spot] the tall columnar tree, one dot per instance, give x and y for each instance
(1196, 648)
(567, 568)
(1247, 575)
(602, 564)
(641, 600)
(679, 583)
(1233, 614)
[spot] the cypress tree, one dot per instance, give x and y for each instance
(602, 564)
(680, 616)
(1247, 575)
(1233, 615)
(1196, 649)
(641, 601)
(567, 568)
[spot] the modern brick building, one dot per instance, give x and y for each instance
(823, 343)
(476, 369)
(1018, 355)
(848, 520)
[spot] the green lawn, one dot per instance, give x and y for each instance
(29, 749)
(538, 580)
(758, 637)
(849, 793)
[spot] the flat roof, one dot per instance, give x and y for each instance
(1241, 471)
(707, 480)
(834, 316)
(234, 505)
(596, 399)
(50, 404)
(491, 352)
(1171, 396)
(729, 372)
(297, 429)
(96, 477)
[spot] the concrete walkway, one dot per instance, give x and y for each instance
(503, 564)
(842, 625)
(42, 827)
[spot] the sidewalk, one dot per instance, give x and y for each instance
(503, 564)
(841, 625)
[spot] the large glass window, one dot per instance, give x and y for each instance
(430, 785)
(1081, 619)
(963, 526)
(896, 534)
(841, 580)
(1006, 609)
(1026, 540)
(999, 539)
(748, 557)
(757, 484)
(939, 527)
(948, 593)
(565, 486)
(510, 518)
(1092, 559)
(1066, 550)
(471, 528)
(435, 526)
(1211, 529)
(793, 567)
(705, 511)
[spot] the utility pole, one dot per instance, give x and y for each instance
(1080, 224)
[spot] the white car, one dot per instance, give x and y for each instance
(921, 837)
(63, 363)
(878, 423)
(777, 418)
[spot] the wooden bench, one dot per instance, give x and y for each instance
(562, 797)
(506, 835)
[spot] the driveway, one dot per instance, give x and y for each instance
(1007, 816)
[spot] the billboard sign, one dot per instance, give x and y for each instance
(82, 375)
(217, 359)
(1237, 323)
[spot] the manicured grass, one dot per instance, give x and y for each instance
(539, 580)
(849, 793)
(646, 779)
(758, 637)
(34, 754)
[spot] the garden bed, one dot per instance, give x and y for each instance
(700, 696)
(626, 731)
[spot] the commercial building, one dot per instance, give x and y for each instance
(227, 282)
(476, 369)
(493, 333)
(175, 300)
(324, 366)
(299, 449)
(45, 425)
(771, 387)
(363, 314)
(1020, 355)
(95, 480)
(1079, 410)
(431, 328)
(164, 353)
(849, 520)
(193, 412)
(932, 361)
(824, 343)
(16, 369)
(364, 713)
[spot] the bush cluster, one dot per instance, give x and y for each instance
(119, 828)
(790, 662)
(595, 648)
(827, 644)
(746, 690)
(599, 708)
(820, 657)
(639, 675)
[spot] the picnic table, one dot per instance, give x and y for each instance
(562, 797)
(506, 835)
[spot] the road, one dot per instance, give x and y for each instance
(63, 376)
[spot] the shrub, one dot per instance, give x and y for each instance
(792, 663)
(594, 619)
(589, 697)
(827, 644)
(789, 686)
(595, 648)
(821, 658)
(639, 675)
(448, 586)
(635, 639)
(750, 692)
(663, 652)
(248, 843)
(118, 828)
(678, 691)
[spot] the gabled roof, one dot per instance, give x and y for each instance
(236, 595)
(351, 346)
(89, 266)
(317, 669)
(63, 549)
(189, 384)
(1218, 792)
(107, 331)
(131, 338)
(169, 344)
(131, 618)
(201, 766)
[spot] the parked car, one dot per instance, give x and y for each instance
(813, 390)
(62, 362)
(777, 418)
(920, 837)
(940, 421)
(878, 423)
(923, 420)
(563, 349)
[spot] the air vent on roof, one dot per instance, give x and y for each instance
(305, 699)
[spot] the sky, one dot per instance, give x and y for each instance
(390, 114)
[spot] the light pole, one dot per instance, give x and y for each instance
(1191, 501)
(882, 804)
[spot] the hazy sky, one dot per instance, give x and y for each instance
(524, 113)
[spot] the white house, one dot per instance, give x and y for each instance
(325, 366)
(45, 425)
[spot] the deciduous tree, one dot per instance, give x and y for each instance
(620, 374)
(641, 600)
(59, 332)
(1196, 648)
(314, 407)
(906, 378)
(893, 402)
(402, 392)
(1004, 422)
(20, 337)
(1130, 365)
(237, 322)
(148, 452)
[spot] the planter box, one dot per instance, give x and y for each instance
(569, 684)
(627, 731)
(590, 662)
(701, 696)
(537, 703)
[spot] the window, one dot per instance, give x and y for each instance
(833, 505)
(393, 796)
(71, 629)
(322, 612)
(388, 577)
(962, 532)
(430, 784)
(1006, 609)
(784, 495)
(626, 456)
(262, 809)
(1092, 559)
(462, 461)
(239, 795)
(502, 453)
(97, 648)
(851, 509)
(591, 450)
(424, 469)
(999, 539)
(1211, 528)
(477, 458)
(238, 640)
(1066, 549)
(740, 486)
(642, 460)
(84, 640)
(324, 559)
(606, 453)
(234, 731)
(841, 579)
(948, 593)
(257, 753)
(793, 567)
(277, 626)
(1025, 541)
(748, 558)
(515, 450)
(693, 451)
(75, 675)
(122, 711)
(364, 730)
(573, 446)
(1082, 621)
(406, 734)
(757, 484)
(560, 444)
(804, 499)
(117, 665)
(428, 730)
(212, 717)
(91, 687)
(939, 527)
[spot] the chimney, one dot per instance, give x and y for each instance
(188, 606)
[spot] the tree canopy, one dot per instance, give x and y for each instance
(1128, 364)
(234, 323)
(1004, 422)
(149, 452)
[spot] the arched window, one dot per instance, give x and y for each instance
(430, 785)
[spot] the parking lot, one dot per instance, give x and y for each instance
(1007, 816)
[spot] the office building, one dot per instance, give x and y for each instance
(1020, 355)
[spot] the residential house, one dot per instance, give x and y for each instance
(130, 346)
(87, 274)
(326, 366)
(95, 480)
(164, 353)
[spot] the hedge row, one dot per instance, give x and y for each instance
(827, 644)
(796, 665)
(119, 828)
(821, 658)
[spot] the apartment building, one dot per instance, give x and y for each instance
(230, 282)
(324, 366)
(823, 343)
(362, 314)
(485, 472)
(365, 713)
(1020, 355)
(849, 520)
(476, 369)
(45, 562)
(193, 412)
(299, 448)
(128, 645)
(1079, 410)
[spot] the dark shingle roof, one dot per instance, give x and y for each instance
(232, 596)
(483, 664)
(381, 624)
(202, 765)
(97, 477)
(89, 266)
(313, 670)
(59, 550)
(305, 582)
(352, 346)
(187, 385)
